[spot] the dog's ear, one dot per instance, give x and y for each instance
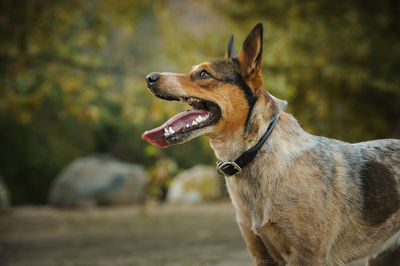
(231, 53)
(250, 57)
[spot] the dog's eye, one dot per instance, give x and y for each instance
(204, 74)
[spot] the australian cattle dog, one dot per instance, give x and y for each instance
(299, 199)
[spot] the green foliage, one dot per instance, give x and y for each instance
(72, 75)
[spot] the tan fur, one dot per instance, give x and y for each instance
(234, 110)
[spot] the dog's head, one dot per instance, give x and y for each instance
(222, 93)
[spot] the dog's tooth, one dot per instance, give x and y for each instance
(187, 125)
(194, 123)
(171, 130)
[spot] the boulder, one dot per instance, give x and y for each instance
(198, 184)
(98, 181)
(4, 196)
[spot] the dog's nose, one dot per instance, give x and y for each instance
(152, 78)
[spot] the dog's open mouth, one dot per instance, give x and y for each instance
(179, 128)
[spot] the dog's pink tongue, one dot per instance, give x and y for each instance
(177, 123)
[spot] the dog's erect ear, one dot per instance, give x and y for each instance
(251, 55)
(231, 53)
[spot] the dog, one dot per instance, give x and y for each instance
(299, 199)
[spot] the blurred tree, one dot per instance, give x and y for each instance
(62, 88)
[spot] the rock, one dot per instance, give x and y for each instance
(198, 184)
(4, 196)
(98, 181)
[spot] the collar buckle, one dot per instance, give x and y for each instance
(224, 167)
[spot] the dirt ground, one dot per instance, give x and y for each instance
(159, 236)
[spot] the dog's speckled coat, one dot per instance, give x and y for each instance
(304, 200)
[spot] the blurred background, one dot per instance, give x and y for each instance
(73, 98)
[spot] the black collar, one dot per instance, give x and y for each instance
(231, 168)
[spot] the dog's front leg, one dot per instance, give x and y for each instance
(258, 250)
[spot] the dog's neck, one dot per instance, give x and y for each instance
(230, 145)
(282, 141)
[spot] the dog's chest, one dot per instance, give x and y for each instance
(251, 200)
